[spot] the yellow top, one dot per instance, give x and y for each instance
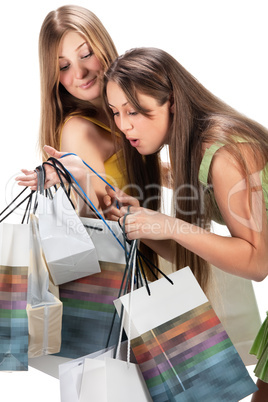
(115, 168)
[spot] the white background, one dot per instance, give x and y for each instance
(223, 43)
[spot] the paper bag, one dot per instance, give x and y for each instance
(68, 249)
(181, 346)
(112, 380)
(75, 378)
(107, 239)
(88, 311)
(14, 260)
(235, 304)
(43, 308)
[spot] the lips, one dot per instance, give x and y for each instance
(88, 84)
(134, 143)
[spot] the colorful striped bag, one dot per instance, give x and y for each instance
(88, 311)
(14, 260)
(182, 349)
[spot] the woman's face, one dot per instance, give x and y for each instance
(80, 70)
(146, 133)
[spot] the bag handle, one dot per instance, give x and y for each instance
(27, 209)
(62, 171)
(82, 193)
(94, 171)
(134, 269)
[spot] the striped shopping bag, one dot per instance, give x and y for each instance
(14, 258)
(181, 347)
(88, 311)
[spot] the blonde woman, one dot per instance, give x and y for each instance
(74, 51)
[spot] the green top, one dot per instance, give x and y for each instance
(205, 166)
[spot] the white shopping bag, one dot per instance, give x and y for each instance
(150, 311)
(71, 374)
(44, 309)
(68, 248)
(106, 241)
(234, 301)
(80, 378)
(112, 380)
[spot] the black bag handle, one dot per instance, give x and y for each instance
(62, 171)
(27, 209)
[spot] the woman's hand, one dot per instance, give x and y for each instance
(142, 223)
(114, 199)
(71, 162)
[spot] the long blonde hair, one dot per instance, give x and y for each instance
(198, 117)
(56, 102)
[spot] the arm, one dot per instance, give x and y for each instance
(245, 253)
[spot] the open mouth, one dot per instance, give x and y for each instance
(134, 143)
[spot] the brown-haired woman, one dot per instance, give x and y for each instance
(218, 168)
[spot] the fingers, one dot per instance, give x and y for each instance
(121, 197)
(29, 179)
(107, 199)
(129, 210)
(129, 226)
(53, 152)
(112, 216)
(112, 212)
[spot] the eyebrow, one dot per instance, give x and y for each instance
(78, 47)
(124, 104)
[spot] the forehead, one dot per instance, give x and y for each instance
(71, 41)
(115, 94)
(116, 97)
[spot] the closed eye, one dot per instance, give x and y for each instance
(87, 56)
(64, 68)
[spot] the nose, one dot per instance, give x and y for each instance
(80, 71)
(125, 124)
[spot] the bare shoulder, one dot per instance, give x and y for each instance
(79, 136)
(88, 140)
(226, 162)
(78, 124)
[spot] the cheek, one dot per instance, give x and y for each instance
(65, 79)
(94, 64)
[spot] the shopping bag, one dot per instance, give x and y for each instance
(234, 302)
(68, 249)
(181, 347)
(89, 322)
(112, 379)
(14, 260)
(107, 238)
(44, 309)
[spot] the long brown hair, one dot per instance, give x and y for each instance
(198, 117)
(56, 102)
